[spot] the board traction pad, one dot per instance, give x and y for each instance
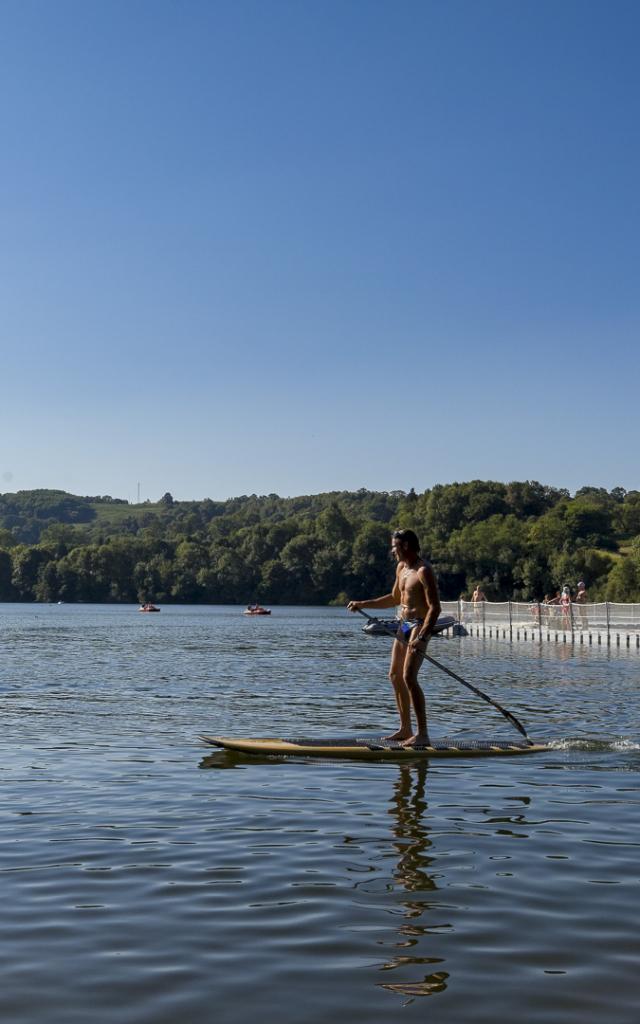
(379, 743)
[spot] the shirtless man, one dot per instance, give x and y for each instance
(416, 590)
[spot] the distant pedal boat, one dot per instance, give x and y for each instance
(256, 609)
(148, 608)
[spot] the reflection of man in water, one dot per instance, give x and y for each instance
(409, 809)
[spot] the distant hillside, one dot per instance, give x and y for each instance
(27, 515)
(520, 540)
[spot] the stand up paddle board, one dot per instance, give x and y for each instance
(373, 747)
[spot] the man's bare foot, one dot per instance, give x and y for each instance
(420, 739)
(401, 734)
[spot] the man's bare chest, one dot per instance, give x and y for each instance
(410, 581)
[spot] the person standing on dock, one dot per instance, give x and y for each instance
(565, 604)
(554, 601)
(478, 597)
(416, 591)
(581, 601)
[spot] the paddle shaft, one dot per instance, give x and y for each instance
(443, 668)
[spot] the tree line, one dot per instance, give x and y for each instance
(518, 540)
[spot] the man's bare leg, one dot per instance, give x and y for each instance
(412, 662)
(401, 692)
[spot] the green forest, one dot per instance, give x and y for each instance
(518, 540)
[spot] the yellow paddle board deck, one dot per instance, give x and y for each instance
(373, 747)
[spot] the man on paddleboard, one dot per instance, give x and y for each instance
(416, 591)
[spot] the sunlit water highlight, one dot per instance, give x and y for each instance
(147, 880)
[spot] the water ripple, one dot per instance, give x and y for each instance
(149, 880)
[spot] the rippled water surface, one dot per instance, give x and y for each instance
(146, 879)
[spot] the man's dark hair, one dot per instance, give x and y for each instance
(407, 537)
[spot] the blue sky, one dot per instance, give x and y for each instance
(291, 247)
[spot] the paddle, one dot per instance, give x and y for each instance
(507, 714)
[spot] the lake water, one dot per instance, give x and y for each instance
(148, 880)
